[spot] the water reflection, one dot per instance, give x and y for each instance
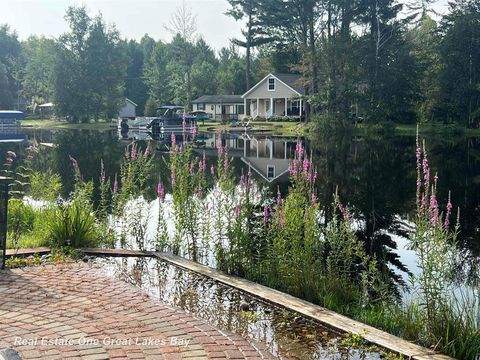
(375, 175)
(285, 333)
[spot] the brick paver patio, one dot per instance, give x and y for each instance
(73, 311)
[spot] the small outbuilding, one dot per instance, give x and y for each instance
(128, 110)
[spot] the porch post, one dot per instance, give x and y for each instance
(258, 107)
(286, 106)
(271, 107)
(244, 107)
(301, 109)
(285, 150)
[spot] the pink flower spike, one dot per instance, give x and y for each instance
(115, 185)
(160, 192)
(449, 211)
(279, 198)
(265, 215)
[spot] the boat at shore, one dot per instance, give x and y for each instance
(170, 120)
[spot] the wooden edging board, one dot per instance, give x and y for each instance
(315, 312)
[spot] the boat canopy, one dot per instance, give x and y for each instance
(171, 107)
(11, 115)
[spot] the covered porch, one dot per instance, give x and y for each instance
(269, 107)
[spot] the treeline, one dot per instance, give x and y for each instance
(374, 59)
(378, 59)
(88, 71)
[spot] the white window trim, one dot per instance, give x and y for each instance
(268, 168)
(274, 84)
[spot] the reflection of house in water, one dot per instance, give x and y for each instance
(269, 157)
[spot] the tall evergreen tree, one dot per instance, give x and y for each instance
(460, 53)
(255, 33)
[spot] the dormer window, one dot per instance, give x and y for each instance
(271, 84)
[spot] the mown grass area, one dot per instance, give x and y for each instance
(285, 128)
(61, 124)
(411, 130)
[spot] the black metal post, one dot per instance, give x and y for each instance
(4, 187)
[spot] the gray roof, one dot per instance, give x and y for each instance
(292, 80)
(219, 99)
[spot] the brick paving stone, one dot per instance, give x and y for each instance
(76, 312)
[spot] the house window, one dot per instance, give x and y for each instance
(271, 84)
(240, 109)
(270, 171)
(200, 106)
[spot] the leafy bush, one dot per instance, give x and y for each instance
(45, 185)
(21, 218)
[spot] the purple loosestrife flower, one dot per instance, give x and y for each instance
(193, 130)
(192, 169)
(212, 170)
(242, 181)
(279, 198)
(426, 171)
(249, 178)
(433, 208)
(115, 185)
(265, 215)
(238, 211)
(219, 147)
(202, 165)
(173, 139)
(306, 166)
(313, 197)
(134, 152)
(343, 211)
(160, 192)
(225, 162)
(449, 211)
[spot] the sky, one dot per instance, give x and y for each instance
(133, 18)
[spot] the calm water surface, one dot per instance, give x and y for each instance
(375, 175)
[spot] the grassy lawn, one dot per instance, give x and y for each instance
(58, 124)
(437, 128)
(285, 128)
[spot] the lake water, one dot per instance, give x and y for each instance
(375, 176)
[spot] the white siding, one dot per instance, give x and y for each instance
(281, 91)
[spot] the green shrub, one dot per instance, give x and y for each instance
(73, 223)
(45, 185)
(21, 218)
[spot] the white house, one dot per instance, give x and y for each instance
(128, 110)
(220, 107)
(275, 95)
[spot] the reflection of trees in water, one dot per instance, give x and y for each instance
(373, 176)
(376, 175)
